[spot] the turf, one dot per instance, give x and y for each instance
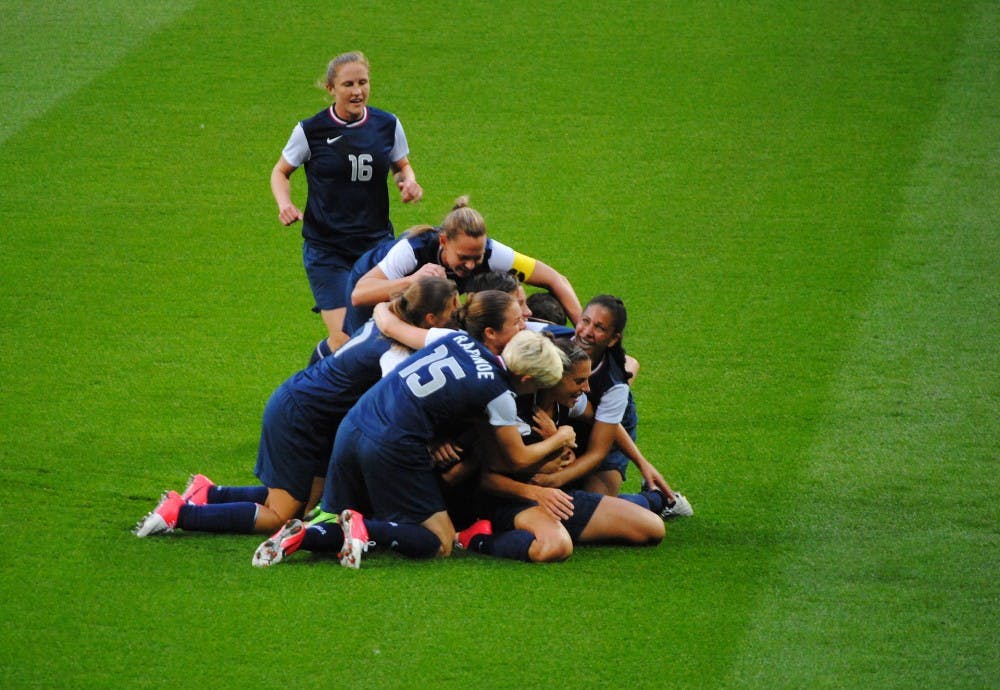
(796, 201)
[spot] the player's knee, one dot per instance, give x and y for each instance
(652, 530)
(551, 548)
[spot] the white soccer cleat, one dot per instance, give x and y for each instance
(680, 508)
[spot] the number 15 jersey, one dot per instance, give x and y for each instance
(436, 388)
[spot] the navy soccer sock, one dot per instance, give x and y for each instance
(513, 544)
(414, 541)
(237, 494)
(231, 518)
(651, 500)
(323, 537)
(321, 351)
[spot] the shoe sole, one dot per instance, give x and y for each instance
(271, 552)
(151, 524)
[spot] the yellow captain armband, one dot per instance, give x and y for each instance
(523, 266)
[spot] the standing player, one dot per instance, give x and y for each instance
(459, 250)
(348, 150)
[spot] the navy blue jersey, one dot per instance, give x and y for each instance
(346, 165)
(330, 387)
(609, 391)
(452, 379)
(402, 257)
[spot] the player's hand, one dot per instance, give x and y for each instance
(544, 426)
(445, 454)
(653, 479)
(568, 436)
(380, 313)
(555, 502)
(430, 271)
(410, 191)
(289, 214)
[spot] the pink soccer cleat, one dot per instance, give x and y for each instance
(355, 538)
(163, 518)
(196, 492)
(480, 527)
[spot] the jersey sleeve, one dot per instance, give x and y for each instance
(392, 358)
(611, 408)
(580, 407)
(503, 258)
(296, 151)
(400, 149)
(399, 262)
(502, 410)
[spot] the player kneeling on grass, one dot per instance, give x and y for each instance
(380, 465)
(300, 422)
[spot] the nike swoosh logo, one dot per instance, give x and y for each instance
(335, 139)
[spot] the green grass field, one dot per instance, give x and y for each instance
(798, 202)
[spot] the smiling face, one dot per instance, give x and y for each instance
(463, 253)
(513, 322)
(350, 89)
(595, 332)
(574, 383)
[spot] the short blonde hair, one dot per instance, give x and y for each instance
(343, 59)
(533, 354)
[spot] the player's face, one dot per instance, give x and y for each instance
(595, 332)
(350, 91)
(512, 323)
(573, 384)
(522, 301)
(463, 253)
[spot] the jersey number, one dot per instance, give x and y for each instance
(361, 167)
(437, 362)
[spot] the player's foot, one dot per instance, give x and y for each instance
(163, 518)
(480, 527)
(196, 492)
(681, 507)
(355, 538)
(284, 542)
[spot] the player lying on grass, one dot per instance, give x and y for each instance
(459, 249)
(380, 467)
(298, 429)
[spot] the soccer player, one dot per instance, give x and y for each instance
(347, 151)
(381, 467)
(299, 425)
(505, 281)
(557, 515)
(459, 249)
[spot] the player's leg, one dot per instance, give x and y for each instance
(328, 274)
(334, 320)
(552, 542)
(618, 520)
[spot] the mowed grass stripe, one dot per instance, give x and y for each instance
(51, 50)
(894, 582)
